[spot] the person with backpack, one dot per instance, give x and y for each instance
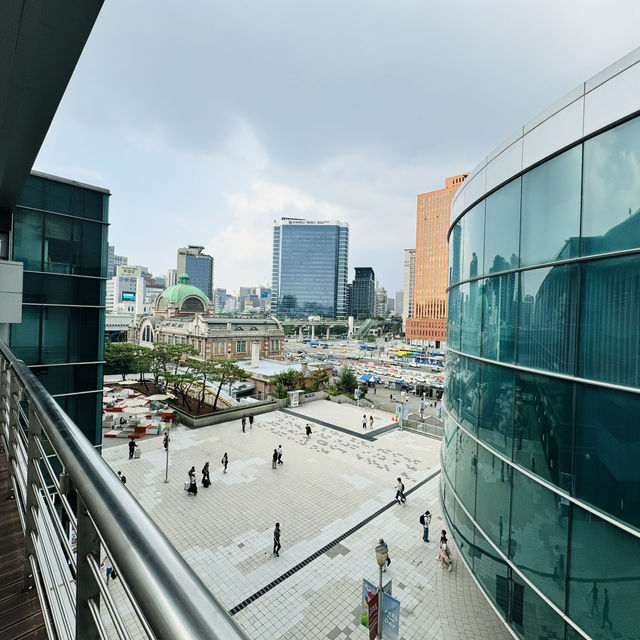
(425, 520)
(400, 499)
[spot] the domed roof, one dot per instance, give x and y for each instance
(182, 290)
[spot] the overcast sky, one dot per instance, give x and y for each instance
(208, 119)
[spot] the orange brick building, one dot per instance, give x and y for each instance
(429, 320)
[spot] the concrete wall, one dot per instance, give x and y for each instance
(235, 413)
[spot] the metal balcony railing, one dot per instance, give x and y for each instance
(74, 511)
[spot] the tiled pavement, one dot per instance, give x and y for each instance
(327, 486)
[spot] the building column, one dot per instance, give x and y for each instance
(313, 331)
(328, 332)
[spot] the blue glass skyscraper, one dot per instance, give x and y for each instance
(310, 268)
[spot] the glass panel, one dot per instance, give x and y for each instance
(471, 299)
(531, 616)
(604, 577)
(455, 253)
(491, 572)
(25, 336)
(610, 320)
(448, 449)
(551, 210)
(500, 299)
(452, 388)
(543, 428)
(496, 407)
(58, 197)
(539, 536)
(61, 244)
(473, 242)
(502, 233)
(611, 200)
(547, 318)
(463, 536)
(69, 379)
(95, 206)
(32, 193)
(85, 410)
(607, 445)
(27, 238)
(70, 335)
(492, 501)
(466, 468)
(454, 309)
(50, 289)
(93, 256)
(469, 393)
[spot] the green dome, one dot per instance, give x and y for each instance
(182, 290)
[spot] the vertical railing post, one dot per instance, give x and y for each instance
(5, 418)
(87, 589)
(33, 458)
(13, 421)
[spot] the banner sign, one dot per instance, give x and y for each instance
(390, 617)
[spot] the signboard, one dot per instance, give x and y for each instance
(128, 271)
(398, 411)
(368, 591)
(405, 412)
(390, 618)
(128, 296)
(373, 617)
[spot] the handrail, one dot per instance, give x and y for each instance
(175, 602)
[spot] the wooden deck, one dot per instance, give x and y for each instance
(20, 613)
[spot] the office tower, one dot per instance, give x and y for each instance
(198, 266)
(540, 483)
(310, 268)
(172, 277)
(362, 293)
(114, 261)
(408, 285)
(219, 300)
(399, 305)
(429, 322)
(381, 310)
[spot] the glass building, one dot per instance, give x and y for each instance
(60, 236)
(310, 268)
(198, 266)
(362, 297)
(541, 481)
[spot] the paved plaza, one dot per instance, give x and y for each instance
(332, 497)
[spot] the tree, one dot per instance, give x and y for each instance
(143, 357)
(119, 358)
(226, 372)
(182, 383)
(206, 372)
(167, 358)
(319, 379)
(287, 381)
(347, 382)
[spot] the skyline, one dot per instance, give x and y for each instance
(206, 128)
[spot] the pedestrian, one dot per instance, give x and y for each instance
(206, 481)
(371, 422)
(375, 386)
(274, 459)
(391, 396)
(364, 421)
(276, 539)
(594, 599)
(400, 499)
(244, 424)
(225, 462)
(109, 568)
(425, 520)
(382, 543)
(132, 448)
(308, 430)
(251, 420)
(443, 536)
(279, 454)
(122, 477)
(605, 610)
(444, 556)
(193, 485)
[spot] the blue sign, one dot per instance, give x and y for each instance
(390, 617)
(264, 294)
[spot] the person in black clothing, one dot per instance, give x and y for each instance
(193, 485)
(206, 481)
(276, 540)
(122, 477)
(251, 420)
(244, 424)
(132, 448)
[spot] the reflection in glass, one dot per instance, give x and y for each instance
(500, 299)
(543, 427)
(448, 448)
(491, 571)
(496, 407)
(469, 378)
(611, 193)
(473, 242)
(607, 466)
(471, 299)
(530, 615)
(603, 557)
(455, 252)
(502, 228)
(610, 320)
(464, 534)
(547, 318)
(539, 526)
(454, 309)
(551, 210)
(452, 388)
(466, 469)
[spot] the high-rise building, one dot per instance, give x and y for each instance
(399, 306)
(198, 266)
(362, 293)
(408, 285)
(114, 261)
(429, 322)
(172, 277)
(310, 268)
(540, 485)
(381, 309)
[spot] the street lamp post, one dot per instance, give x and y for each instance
(167, 439)
(381, 557)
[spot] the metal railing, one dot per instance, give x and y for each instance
(51, 466)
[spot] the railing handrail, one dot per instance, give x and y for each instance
(173, 599)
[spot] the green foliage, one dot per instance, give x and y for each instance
(120, 358)
(182, 383)
(346, 382)
(225, 372)
(288, 380)
(318, 379)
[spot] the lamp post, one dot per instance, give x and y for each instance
(381, 557)
(167, 440)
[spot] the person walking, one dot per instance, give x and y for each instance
(244, 424)
(274, 459)
(425, 520)
(251, 420)
(371, 421)
(594, 599)
(276, 539)
(122, 477)
(400, 499)
(364, 421)
(206, 481)
(193, 485)
(225, 462)
(109, 568)
(605, 610)
(386, 546)
(445, 555)
(308, 430)
(132, 448)
(279, 454)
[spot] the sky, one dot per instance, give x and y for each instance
(209, 119)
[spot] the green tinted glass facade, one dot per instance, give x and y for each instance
(60, 235)
(541, 481)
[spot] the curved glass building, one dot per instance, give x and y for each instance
(541, 453)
